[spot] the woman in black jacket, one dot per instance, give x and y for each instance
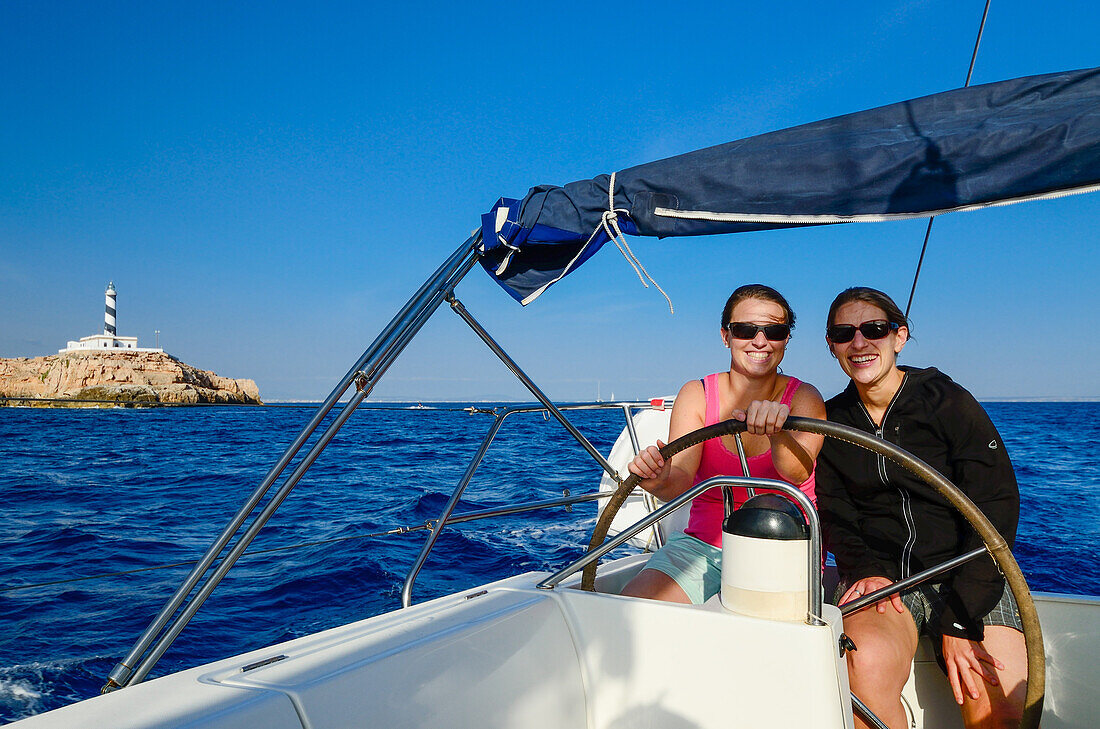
(883, 524)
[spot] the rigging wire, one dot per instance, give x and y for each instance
(928, 230)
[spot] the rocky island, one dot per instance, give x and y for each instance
(92, 378)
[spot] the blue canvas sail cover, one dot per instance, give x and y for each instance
(992, 144)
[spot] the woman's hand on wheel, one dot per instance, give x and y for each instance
(763, 417)
(866, 586)
(963, 659)
(651, 466)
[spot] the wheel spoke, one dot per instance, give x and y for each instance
(872, 597)
(867, 714)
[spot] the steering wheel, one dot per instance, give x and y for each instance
(994, 543)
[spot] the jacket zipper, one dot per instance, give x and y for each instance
(906, 506)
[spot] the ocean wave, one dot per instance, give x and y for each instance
(30, 688)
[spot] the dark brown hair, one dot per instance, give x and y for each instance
(869, 296)
(756, 291)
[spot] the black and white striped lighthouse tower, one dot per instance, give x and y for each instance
(109, 315)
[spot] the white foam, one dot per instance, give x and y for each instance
(19, 698)
(18, 690)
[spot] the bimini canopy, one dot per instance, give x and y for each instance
(985, 145)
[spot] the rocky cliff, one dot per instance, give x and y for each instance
(121, 377)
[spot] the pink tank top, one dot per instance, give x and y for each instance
(707, 510)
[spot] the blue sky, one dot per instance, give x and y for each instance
(267, 183)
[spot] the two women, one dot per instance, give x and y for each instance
(881, 522)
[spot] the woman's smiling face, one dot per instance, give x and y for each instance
(867, 361)
(759, 355)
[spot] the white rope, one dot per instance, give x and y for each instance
(609, 223)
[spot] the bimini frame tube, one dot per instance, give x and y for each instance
(365, 373)
(435, 526)
(516, 370)
(429, 543)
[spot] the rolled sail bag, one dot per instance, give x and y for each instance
(765, 552)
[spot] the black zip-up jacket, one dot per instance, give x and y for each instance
(881, 520)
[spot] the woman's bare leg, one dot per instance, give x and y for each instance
(879, 668)
(655, 585)
(1001, 705)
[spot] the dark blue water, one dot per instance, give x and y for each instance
(89, 492)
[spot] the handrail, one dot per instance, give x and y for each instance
(479, 456)
(813, 606)
(566, 500)
(526, 506)
(365, 374)
(648, 499)
(422, 557)
(516, 370)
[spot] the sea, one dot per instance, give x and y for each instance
(101, 509)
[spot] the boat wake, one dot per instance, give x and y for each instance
(29, 688)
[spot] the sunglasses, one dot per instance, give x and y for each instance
(772, 332)
(843, 333)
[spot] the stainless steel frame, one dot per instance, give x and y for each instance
(813, 606)
(364, 374)
(178, 610)
(867, 714)
(649, 499)
(446, 518)
(459, 309)
(872, 597)
(567, 501)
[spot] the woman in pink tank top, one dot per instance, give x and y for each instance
(756, 325)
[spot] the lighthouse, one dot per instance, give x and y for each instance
(109, 339)
(109, 315)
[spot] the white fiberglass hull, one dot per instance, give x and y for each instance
(509, 654)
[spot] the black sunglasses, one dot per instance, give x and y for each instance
(744, 330)
(843, 333)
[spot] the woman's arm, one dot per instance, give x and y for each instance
(667, 479)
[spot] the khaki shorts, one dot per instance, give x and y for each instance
(926, 603)
(695, 566)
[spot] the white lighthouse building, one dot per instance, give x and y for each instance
(109, 339)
